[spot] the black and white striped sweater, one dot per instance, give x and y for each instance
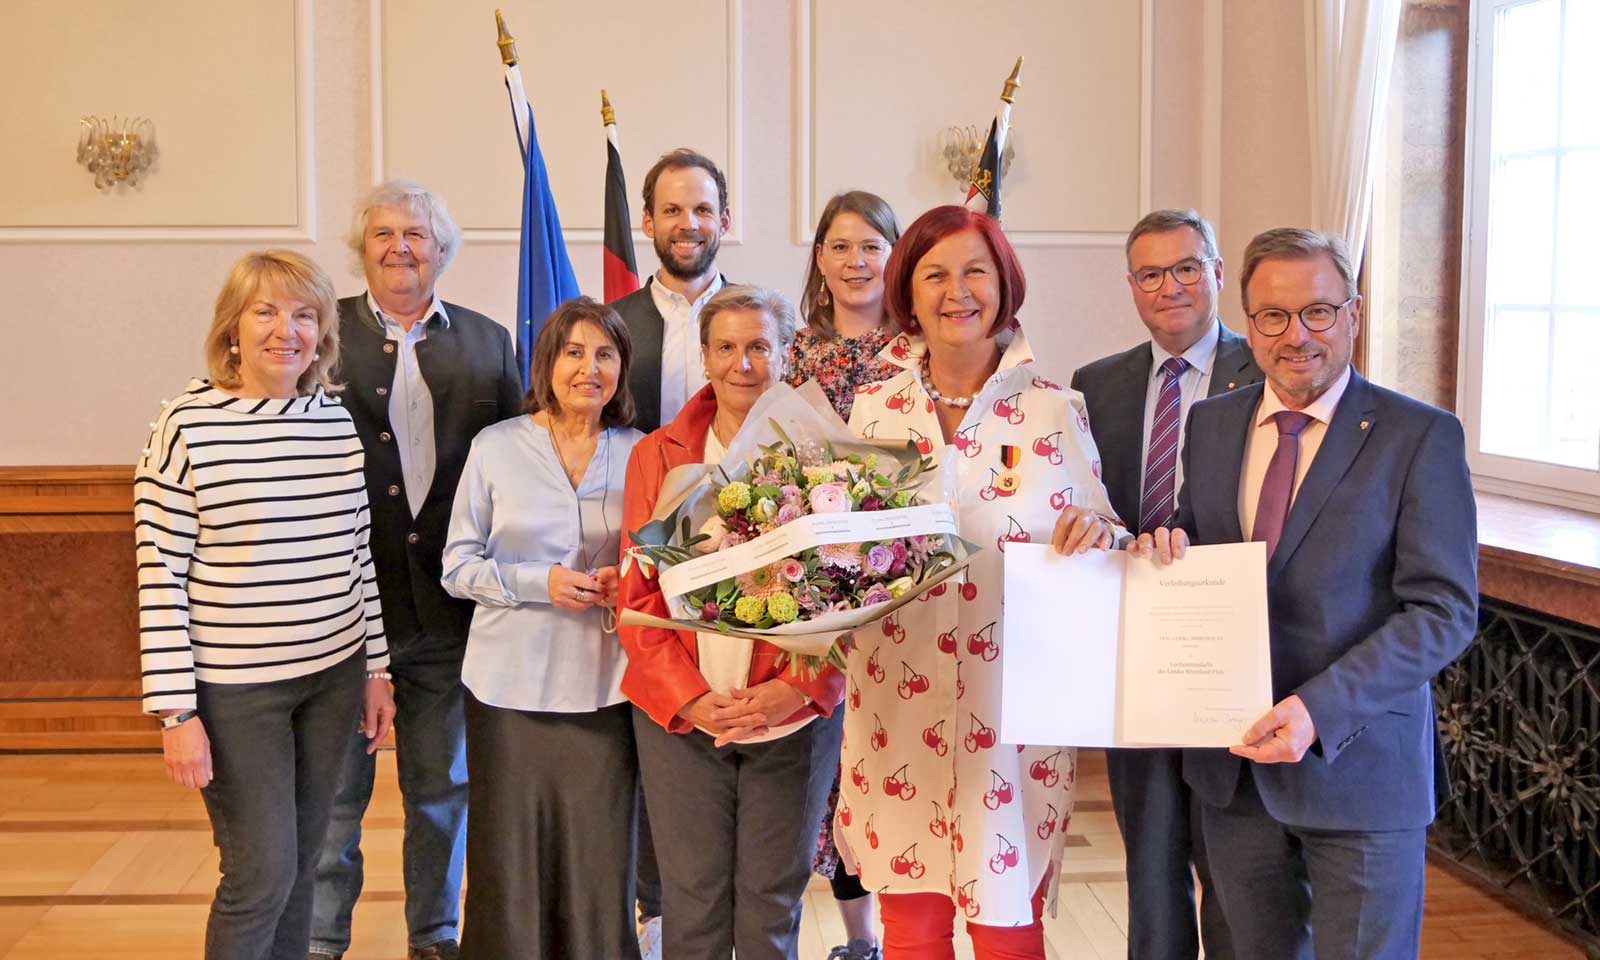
(251, 521)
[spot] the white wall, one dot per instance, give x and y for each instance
(1124, 105)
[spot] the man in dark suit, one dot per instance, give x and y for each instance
(1137, 400)
(422, 378)
(1363, 499)
(685, 215)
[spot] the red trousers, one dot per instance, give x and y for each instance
(921, 926)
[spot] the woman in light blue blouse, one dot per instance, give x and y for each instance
(533, 541)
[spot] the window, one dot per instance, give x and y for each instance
(1530, 390)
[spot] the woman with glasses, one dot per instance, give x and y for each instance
(846, 328)
(841, 303)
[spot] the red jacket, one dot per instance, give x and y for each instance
(663, 672)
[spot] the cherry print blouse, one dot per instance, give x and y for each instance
(931, 801)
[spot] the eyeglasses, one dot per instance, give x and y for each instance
(870, 249)
(1315, 317)
(1187, 271)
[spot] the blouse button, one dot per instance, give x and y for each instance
(383, 391)
(385, 436)
(412, 538)
(394, 489)
(388, 348)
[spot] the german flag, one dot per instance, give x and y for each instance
(621, 272)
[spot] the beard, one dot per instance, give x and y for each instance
(694, 267)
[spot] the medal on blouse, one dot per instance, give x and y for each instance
(1007, 481)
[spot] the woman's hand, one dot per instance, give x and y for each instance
(759, 707)
(377, 712)
(187, 752)
(608, 580)
(1079, 528)
(573, 590)
(1166, 545)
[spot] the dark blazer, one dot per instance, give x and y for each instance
(646, 328)
(1114, 389)
(1372, 590)
(471, 371)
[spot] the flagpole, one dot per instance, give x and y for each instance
(983, 190)
(519, 94)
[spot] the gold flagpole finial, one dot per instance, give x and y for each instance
(608, 115)
(507, 43)
(1012, 82)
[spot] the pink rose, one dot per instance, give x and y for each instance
(830, 498)
(792, 570)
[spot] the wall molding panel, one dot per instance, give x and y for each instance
(182, 167)
(567, 113)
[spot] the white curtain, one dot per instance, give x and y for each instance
(1349, 56)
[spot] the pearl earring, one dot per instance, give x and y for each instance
(233, 349)
(316, 356)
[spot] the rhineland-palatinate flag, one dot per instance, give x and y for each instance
(621, 270)
(983, 192)
(544, 273)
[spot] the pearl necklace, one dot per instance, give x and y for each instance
(961, 403)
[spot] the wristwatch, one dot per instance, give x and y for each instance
(178, 719)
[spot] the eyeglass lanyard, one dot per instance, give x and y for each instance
(608, 616)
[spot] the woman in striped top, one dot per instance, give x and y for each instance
(258, 606)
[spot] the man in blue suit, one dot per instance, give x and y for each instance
(1315, 825)
(1136, 401)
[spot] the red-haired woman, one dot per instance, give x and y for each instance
(939, 815)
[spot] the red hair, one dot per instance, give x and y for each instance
(928, 230)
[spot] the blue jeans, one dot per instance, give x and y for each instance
(431, 753)
(276, 749)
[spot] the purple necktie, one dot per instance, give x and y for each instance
(1161, 461)
(1277, 487)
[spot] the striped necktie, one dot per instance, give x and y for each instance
(1161, 460)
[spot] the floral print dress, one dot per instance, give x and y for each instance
(932, 801)
(840, 365)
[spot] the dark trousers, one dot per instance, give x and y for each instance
(275, 751)
(646, 872)
(550, 834)
(1295, 893)
(431, 754)
(735, 829)
(1159, 819)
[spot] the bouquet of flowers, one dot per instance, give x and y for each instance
(801, 535)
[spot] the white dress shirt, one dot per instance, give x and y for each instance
(1193, 385)
(724, 660)
(515, 516)
(1262, 441)
(683, 372)
(411, 402)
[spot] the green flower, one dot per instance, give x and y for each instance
(899, 586)
(816, 475)
(750, 609)
(783, 607)
(735, 496)
(861, 490)
(872, 461)
(900, 499)
(765, 511)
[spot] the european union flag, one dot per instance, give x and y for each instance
(544, 274)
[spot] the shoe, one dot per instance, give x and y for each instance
(320, 955)
(650, 939)
(439, 950)
(856, 950)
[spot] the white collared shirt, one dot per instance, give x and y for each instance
(1193, 385)
(683, 371)
(411, 402)
(1262, 441)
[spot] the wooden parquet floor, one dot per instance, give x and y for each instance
(101, 857)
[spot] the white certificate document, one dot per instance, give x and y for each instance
(1105, 649)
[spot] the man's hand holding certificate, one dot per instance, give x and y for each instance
(1122, 650)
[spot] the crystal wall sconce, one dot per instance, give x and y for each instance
(962, 148)
(117, 150)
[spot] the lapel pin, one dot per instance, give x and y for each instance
(1230, 384)
(1365, 424)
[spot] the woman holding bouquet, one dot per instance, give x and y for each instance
(736, 752)
(533, 540)
(938, 815)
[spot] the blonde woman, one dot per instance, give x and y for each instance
(261, 637)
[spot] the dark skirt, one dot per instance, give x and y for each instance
(550, 845)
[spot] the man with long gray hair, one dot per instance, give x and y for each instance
(422, 378)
